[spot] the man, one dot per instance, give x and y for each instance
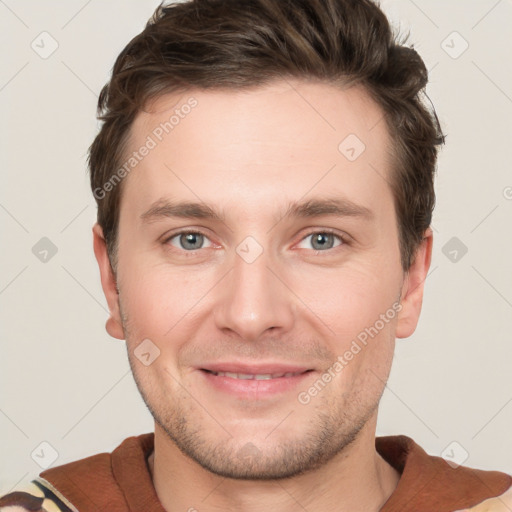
(287, 143)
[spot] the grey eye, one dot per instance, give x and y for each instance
(322, 240)
(188, 240)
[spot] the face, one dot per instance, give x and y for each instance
(259, 277)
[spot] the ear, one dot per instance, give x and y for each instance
(114, 324)
(412, 288)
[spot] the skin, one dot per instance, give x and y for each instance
(249, 154)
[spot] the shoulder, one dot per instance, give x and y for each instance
(35, 496)
(501, 503)
(439, 481)
(100, 479)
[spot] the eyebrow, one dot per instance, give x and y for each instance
(338, 207)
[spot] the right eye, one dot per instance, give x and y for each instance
(187, 240)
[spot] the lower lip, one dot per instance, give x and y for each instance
(252, 388)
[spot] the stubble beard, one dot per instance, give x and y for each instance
(334, 427)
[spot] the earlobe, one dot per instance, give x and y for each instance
(412, 289)
(114, 324)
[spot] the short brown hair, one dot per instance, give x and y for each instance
(231, 44)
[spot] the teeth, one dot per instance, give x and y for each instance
(261, 376)
(240, 376)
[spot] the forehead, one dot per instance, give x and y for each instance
(283, 139)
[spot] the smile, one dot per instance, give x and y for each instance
(257, 385)
(250, 376)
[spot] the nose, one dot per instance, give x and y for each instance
(254, 300)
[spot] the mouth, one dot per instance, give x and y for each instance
(254, 383)
(255, 376)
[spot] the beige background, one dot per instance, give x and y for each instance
(65, 382)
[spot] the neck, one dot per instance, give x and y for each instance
(357, 479)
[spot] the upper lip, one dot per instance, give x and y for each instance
(254, 369)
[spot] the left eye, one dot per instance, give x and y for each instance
(189, 240)
(322, 240)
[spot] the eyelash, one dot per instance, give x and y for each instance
(325, 231)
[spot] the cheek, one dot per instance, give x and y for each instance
(359, 305)
(150, 303)
(165, 305)
(349, 299)
(146, 299)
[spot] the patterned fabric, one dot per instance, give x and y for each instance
(36, 496)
